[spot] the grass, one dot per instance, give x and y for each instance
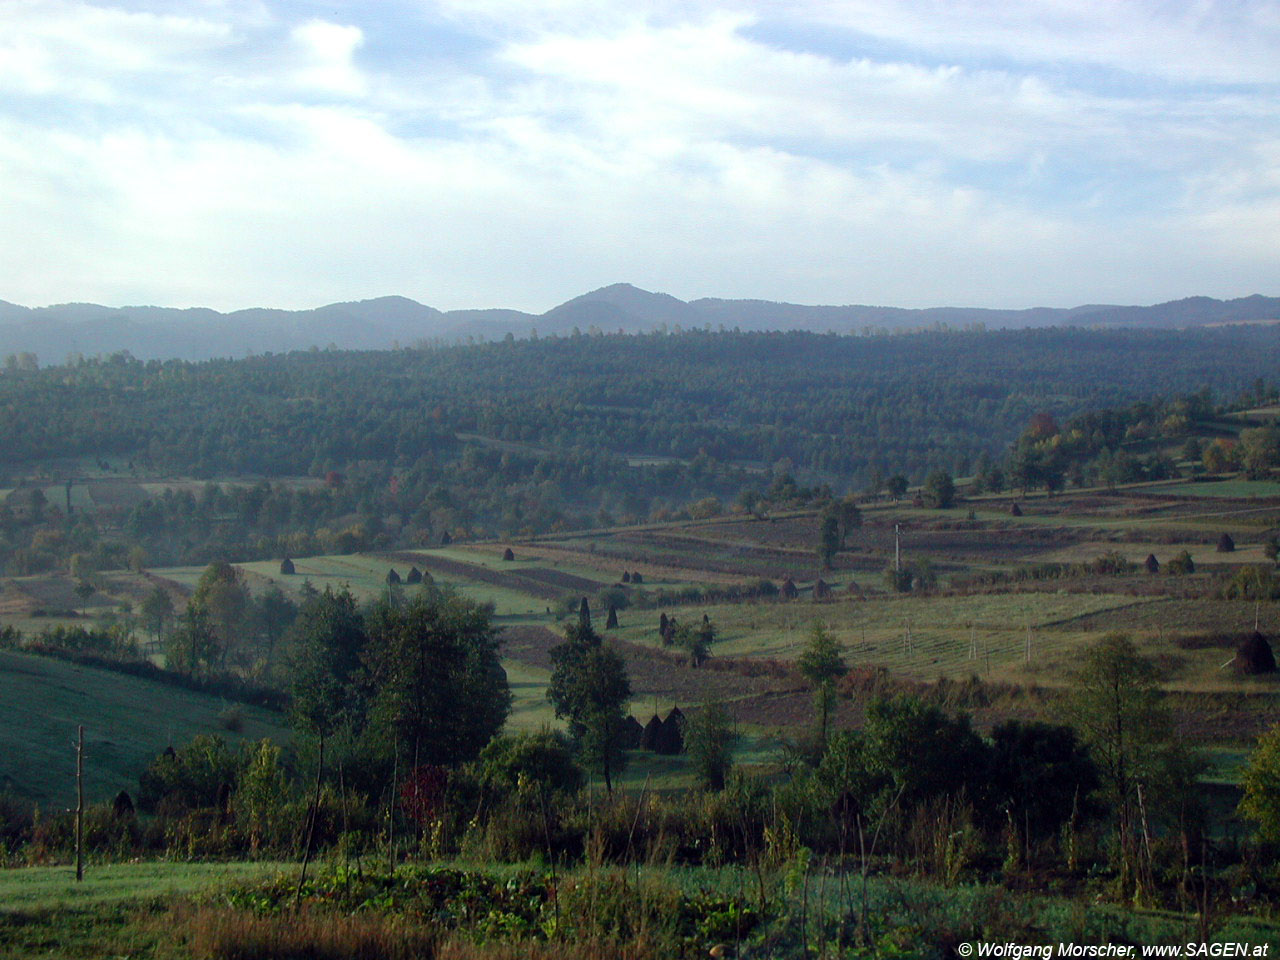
(1227, 489)
(127, 722)
(55, 888)
(530, 709)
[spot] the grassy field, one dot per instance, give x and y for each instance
(55, 888)
(127, 722)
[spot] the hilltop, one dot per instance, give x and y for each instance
(152, 332)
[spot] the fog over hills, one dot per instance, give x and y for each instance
(199, 333)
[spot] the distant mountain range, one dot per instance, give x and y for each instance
(199, 333)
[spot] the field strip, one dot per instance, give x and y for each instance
(1093, 613)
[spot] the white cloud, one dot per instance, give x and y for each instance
(327, 51)
(238, 153)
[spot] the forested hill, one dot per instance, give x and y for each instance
(527, 436)
(834, 406)
(51, 333)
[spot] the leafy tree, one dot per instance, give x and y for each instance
(916, 752)
(157, 611)
(589, 688)
(517, 763)
(897, 486)
(1118, 709)
(1261, 782)
(1181, 564)
(438, 682)
(192, 777)
(223, 599)
(273, 613)
(940, 490)
(261, 793)
(708, 739)
(1040, 775)
(1260, 451)
(85, 590)
(1254, 582)
(828, 538)
(326, 644)
(696, 641)
(821, 664)
(192, 646)
(849, 517)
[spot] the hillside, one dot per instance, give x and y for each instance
(127, 722)
(150, 332)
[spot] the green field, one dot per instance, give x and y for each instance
(55, 888)
(127, 722)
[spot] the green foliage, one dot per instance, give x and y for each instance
(1261, 782)
(1254, 582)
(439, 689)
(915, 752)
(1181, 564)
(821, 663)
(589, 688)
(326, 643)
(940, 490)
(191, 777)
(708, 740)
(1040, 775)
(540, 763)
(828, 537)
(157, 610)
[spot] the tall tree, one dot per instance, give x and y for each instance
(439, 687)
(821, 664)
(326, 643)
(590, 689)
(1118, 709)
(828, 537)
(709, 739)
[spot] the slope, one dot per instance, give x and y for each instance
(127, 722)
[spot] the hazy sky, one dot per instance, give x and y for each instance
(233, 153)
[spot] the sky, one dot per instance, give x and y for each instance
(517, 153)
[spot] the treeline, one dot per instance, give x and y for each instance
(531, 436)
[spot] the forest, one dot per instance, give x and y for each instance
(322, 451)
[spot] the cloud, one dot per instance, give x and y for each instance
(234, 153)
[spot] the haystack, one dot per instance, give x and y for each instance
(1015, 511)
(789, 591)
(122, 806)
(670, 739)
(415, 576)
(286, 567)
(821, 591)
(652, 733)
(1152, 564)
(611, 623)
(632, 734)
(626, 576)
(1226, 544)
(1255, 656)
(445, 539)
(392, 576)
(508, 554)
(636, 578)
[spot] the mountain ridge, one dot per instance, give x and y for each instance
(195, 333)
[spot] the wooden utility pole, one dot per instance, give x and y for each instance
(897, 549)
(80, 803)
